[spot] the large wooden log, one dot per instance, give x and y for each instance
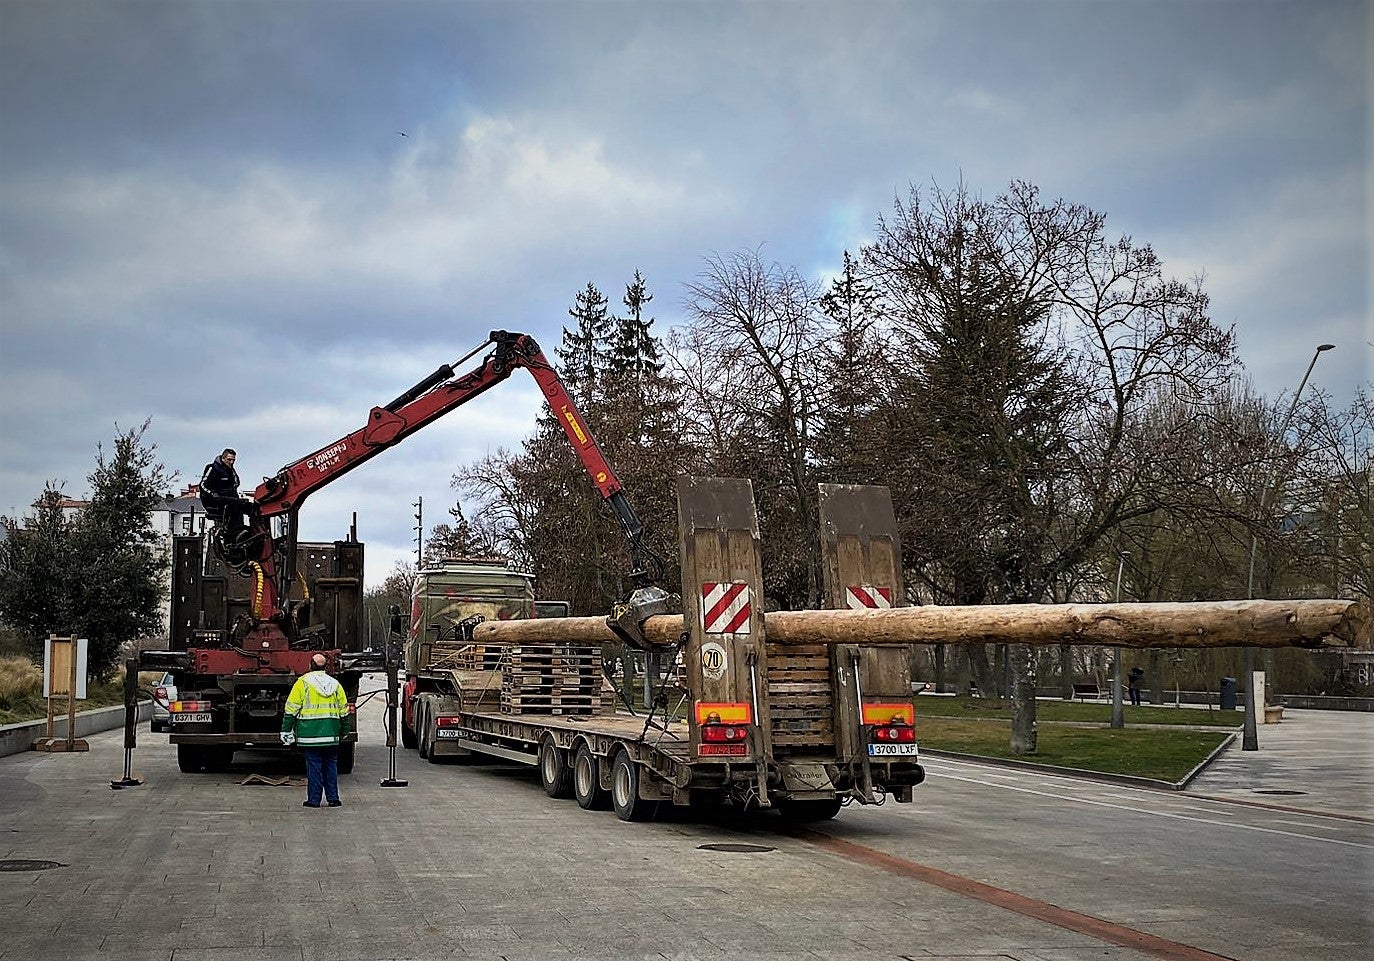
(1295, 623)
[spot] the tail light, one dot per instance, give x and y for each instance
(894, 734)
(160, 693)
(724, 728)
(188, 707)
(724, 733)
(448, 721)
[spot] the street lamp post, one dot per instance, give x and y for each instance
(1250, 735)
(1118, 711)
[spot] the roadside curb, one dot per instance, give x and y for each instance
(17, 738)
(1075, 772)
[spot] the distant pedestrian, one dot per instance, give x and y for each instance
(1133, 682)
(316, 718)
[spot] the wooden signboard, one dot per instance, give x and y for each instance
(64, 683)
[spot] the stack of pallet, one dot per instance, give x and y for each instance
(551, 679)
(479, 657)
(801, 695)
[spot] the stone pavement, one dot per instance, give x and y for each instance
(474, 861)
(1321, 761)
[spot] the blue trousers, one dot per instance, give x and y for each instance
(321, 773)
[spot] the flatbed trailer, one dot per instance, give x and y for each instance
(804, 729)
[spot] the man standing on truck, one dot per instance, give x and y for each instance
(219, 492)
(316, 718)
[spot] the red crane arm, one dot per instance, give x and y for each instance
(424, 403)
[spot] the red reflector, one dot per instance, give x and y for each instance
(719, 733)
(448, 721)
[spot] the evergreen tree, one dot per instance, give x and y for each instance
(122, 561)
(36, 572)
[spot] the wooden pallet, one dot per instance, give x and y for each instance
(556, 703)
(801, 695)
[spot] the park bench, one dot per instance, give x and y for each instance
(1085, 691)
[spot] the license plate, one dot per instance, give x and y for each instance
(891, 750)
(445, 732)
(191, 718)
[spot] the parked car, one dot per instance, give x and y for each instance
(163, 695)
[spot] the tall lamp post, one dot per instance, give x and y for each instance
(1118, 711)
(1250, 736)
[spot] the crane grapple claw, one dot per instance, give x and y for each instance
(627, 617)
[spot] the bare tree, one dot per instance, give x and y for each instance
(755, 328)
(1037, 346)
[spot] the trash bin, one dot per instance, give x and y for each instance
(1228, 693)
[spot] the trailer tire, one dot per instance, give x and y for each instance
(809, 810)
(409, 740)
(347, 754)
(586, 779)
(554, 771)
(625, 775)
(190, 758)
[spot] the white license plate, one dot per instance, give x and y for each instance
(450, 732)
(891, 750)
(191, 718)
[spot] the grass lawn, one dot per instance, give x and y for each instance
(1163, 754)
(21, 692)
(1099, 712)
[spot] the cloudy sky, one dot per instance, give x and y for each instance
(253, 221)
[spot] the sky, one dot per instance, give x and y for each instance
(251, 222)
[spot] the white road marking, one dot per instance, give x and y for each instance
(1154, 813)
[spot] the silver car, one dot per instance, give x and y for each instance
(163, 695)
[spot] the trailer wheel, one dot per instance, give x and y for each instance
(629, 806)
(190, 758)
(409, 739)
(809, 810)
(347, 752)
(554, 772)
(586, 780)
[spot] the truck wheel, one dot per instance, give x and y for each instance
(217, 759)
(422, 735)
(346, 755)
(409, 740)
(587, 780)
(190, 758)
(629, 806)
(554, 772)
(809, 810)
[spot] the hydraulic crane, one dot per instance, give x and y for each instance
(268, 557)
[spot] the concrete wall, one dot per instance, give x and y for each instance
(20, 737)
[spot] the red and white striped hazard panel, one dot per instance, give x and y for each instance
(858, 596)
(725, 607)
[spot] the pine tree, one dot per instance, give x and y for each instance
(122, 561)
(36, 572)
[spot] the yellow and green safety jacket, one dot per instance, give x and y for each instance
(316, 710)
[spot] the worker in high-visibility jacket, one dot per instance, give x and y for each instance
(317, 719)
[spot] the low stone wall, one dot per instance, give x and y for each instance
(15, 738)
(1321, 702)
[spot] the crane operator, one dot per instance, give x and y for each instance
(219, 492)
